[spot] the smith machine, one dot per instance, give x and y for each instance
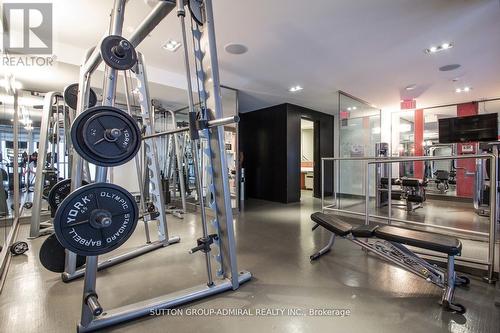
(97, 218)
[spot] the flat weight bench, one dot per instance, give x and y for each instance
(387, 242)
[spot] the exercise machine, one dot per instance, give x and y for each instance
(98, 218)
(410, 190)
(390, 243)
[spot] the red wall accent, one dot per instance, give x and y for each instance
(418, 167)
(465, 184)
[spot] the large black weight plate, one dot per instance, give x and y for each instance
(118, 53)
(60, 191)
(106, 136)
(96, 219)
(52, 255)
(71, 96)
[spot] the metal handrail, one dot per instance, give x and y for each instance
(390, 160)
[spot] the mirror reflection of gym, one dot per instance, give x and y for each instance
(306, 158)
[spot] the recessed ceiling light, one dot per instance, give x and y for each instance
(410, 87)
(172, 45)
(234, 48)
(295, 89)
(464, 89)
(442, 47)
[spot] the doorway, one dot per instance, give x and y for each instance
(306, 158)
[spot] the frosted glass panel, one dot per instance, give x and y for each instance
(359, 132)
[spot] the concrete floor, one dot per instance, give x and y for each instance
(274, 242)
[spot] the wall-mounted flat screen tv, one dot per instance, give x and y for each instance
(475, 128)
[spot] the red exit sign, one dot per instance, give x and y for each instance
(344, 115)
(408, 104)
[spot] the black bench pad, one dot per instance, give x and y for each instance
(364, 231)
(331, 223)
(413, 182)
(424, 240)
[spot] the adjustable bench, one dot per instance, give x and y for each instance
(389, 243)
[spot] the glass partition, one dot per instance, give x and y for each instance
(359, 132)
(13, 146)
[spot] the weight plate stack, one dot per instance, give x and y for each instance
(71, 96)
(106, 136)
(96, 219)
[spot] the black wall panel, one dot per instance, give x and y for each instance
(270, 142)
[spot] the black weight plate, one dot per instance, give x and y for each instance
(18, 248)
(45, 191)
(122, 60)
(78, 229)
(71, 96)
(92, 139)
(196, 11)
(60, 191)
(52, 255)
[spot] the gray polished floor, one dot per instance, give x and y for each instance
(274, 242)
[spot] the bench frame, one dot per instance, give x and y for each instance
(398, 254)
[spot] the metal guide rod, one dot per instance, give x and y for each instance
(194, 142)
(180, 173)
(137, 161)
(210, 123)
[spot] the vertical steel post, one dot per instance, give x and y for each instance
(42, 155)
(322, 184)
(389, 193)
(493, 213)
(15, 172)
(110, 82)
(367, 193)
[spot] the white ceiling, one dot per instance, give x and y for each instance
(370, 49)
